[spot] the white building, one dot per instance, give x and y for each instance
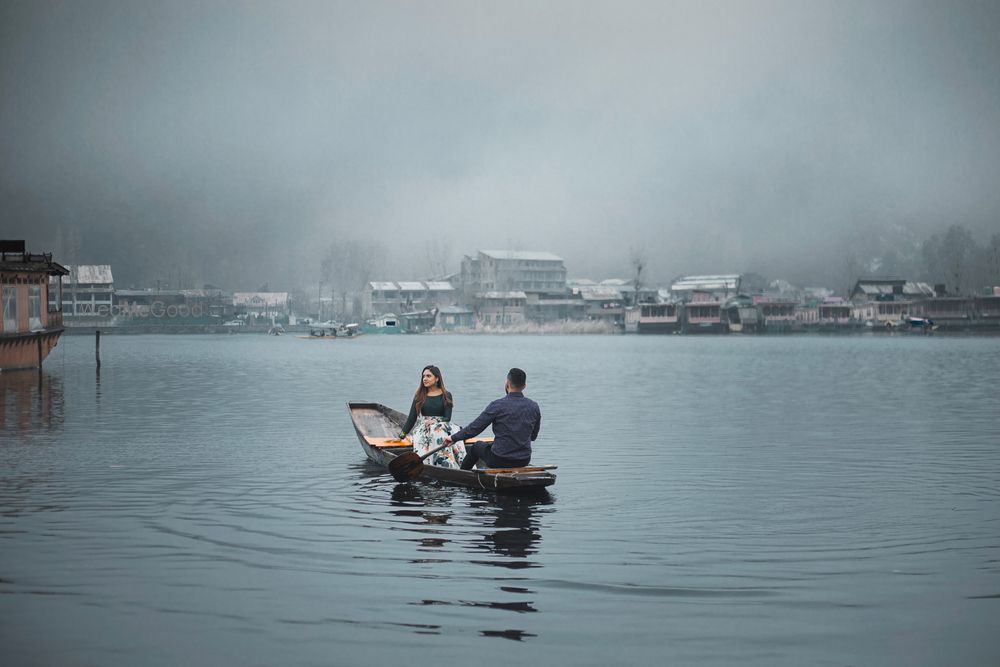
(261, 304)
(380, 297)
(88, 291)
(532, 272)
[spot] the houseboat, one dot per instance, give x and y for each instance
(953, 313)
(987, 310)
(741, 315)
(384, 324)
(658, 318)
(777, 314)
(835, 315)
(703, 314)
(32, 320)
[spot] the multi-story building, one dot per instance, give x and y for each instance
(159, 307)
(501, 309)
(265, 305)
(530, 272)
(382, 297)
(87, 292)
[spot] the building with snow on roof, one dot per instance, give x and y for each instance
(87, 294)
(381, 297)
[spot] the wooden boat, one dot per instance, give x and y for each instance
(378, 429)
(333, 333)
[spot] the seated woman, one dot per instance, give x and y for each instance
(430, 420)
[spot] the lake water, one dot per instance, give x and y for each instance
(730, 500)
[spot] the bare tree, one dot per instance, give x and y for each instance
(994, 260)
(348, 265)
(437, 254)
(638, 262)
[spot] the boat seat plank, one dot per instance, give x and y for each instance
(494, 471)
(388, 442)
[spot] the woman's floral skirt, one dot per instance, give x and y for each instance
(428, 433)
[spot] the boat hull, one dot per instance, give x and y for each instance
(27, 350)
(374, 423)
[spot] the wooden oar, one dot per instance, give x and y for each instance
(409, 465)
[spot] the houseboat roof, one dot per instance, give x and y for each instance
(31, 263)
(383, 286)
(439, 286)
(528, 255)
(773, 299)
(411, 286)
(455, 310)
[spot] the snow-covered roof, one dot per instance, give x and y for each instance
(95, 274)
(438, 286)
(501, 295)
(728, 282)
(600, 293)
(528, 255)
(411, 286)
(383, 286)
(885, 287)
(260, 298)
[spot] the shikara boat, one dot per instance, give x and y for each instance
(333, 333)
(378, 430)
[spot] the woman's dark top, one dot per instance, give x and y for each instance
(433, 406)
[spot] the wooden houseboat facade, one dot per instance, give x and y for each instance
(658, 318)
(32, 321)
(703, 314)
(777, 315)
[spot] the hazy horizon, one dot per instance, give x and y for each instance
(232, 143)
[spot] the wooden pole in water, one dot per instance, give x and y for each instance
(97, 347)
(38, 343)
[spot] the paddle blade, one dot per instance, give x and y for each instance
(406, 466)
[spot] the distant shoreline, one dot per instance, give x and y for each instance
(551, 330)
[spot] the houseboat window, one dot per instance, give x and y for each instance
(55, 296)
(34, 307)
(9, 309)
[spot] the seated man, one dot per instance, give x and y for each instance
(515, 421)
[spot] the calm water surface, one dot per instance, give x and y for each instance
(721, 500)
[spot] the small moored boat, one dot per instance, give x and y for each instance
(378, 428)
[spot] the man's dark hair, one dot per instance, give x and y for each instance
(517, 378)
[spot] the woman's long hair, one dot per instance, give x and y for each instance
(421, 394)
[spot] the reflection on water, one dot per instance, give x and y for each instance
(30, 403)
(506, 528)
(212, 488)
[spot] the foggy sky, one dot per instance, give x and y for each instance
(240, 138)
